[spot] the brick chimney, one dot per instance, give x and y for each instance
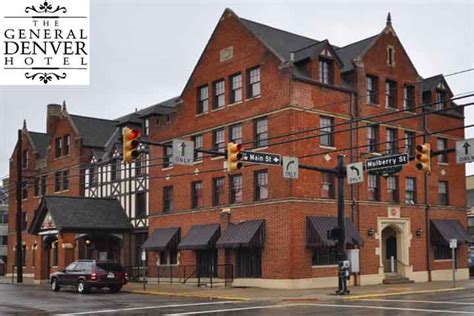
(54, 114)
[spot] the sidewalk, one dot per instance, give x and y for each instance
(258, 294)
(248, 294)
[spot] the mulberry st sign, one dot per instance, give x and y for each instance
(386, 162)
(44, 42)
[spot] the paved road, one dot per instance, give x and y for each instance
(39, 300)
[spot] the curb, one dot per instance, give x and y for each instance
(209, 297)
(364, 296)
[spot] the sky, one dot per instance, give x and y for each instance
(143, 51)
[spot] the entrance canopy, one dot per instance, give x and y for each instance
(60, 214)
(247, 234)
(201, 237)
(317, 232)
(444, 230)
(163, 239)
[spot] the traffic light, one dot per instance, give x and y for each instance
(233, 157)
(423, 157)
(130, 144)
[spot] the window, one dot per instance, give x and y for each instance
(140, 204)
(24, 159)
(410, 191)
(37, 186)
(168, 155)
(173, 257)
(390, 56)
(410, 143)
(3, 219)
(441, 144)
(391, 94)
(66, 144)
(235, 134)
(203, 99)
(3, 240)
(409, 97)
(65, 179)
(168, 258)
(235, 189)
(218, 140)
(57, 181)
(253, 80)
(236, 88)
(115, 170)
(261, 185)
(24, 189)
(324, 256)
(392, 189)
(327, 185)
(392, 147)
(440, 100)
(146, 127)
(43, 185)
(372, 91)
(261, 132)
(219, 94)
(373, 187)
(24, 221)
(443, 192)
(372, 138)
(163, 258)
(167, 199)
(198, 144)
(58, 146)
(217, 191)
(140, 166)
(196, 194)
(325, 71)
(442, 252)
(249, 263)
(92, 177)
(326, 131)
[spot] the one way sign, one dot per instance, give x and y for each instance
(465, 151)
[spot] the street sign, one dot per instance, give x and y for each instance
(290, 167)
(355, 173)
(183, 152)
(263, 158)
(386, 161)
(465, 150)
(453, 243)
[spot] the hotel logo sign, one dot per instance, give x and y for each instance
(45, 42)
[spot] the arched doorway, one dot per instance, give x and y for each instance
(50, 257)
(390, 249)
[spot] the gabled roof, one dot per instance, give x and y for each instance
(81, 215)
(40, 142)
(431, 82)
(354, 50)
(163, 108)
(94, 131)
(280, 42)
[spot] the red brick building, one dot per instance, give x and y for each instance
(272, 91)
(259, 86)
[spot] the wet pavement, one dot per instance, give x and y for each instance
(39, 300)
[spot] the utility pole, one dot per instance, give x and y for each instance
(19, 217)
(341, 221)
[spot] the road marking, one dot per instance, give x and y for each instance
(233, 309)
(395, 308)
(145, 307)
(322, 305)
(364, 296)
(419, 301)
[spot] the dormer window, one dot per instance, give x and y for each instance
(58, 147)
(441, 100)
(66, 144)
(24, 159)
(146, 127)
(325, 71)
(390, 56)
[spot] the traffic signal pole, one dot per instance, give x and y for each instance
(19, 217)
(341, 243)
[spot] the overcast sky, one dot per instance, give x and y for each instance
(143, 51)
